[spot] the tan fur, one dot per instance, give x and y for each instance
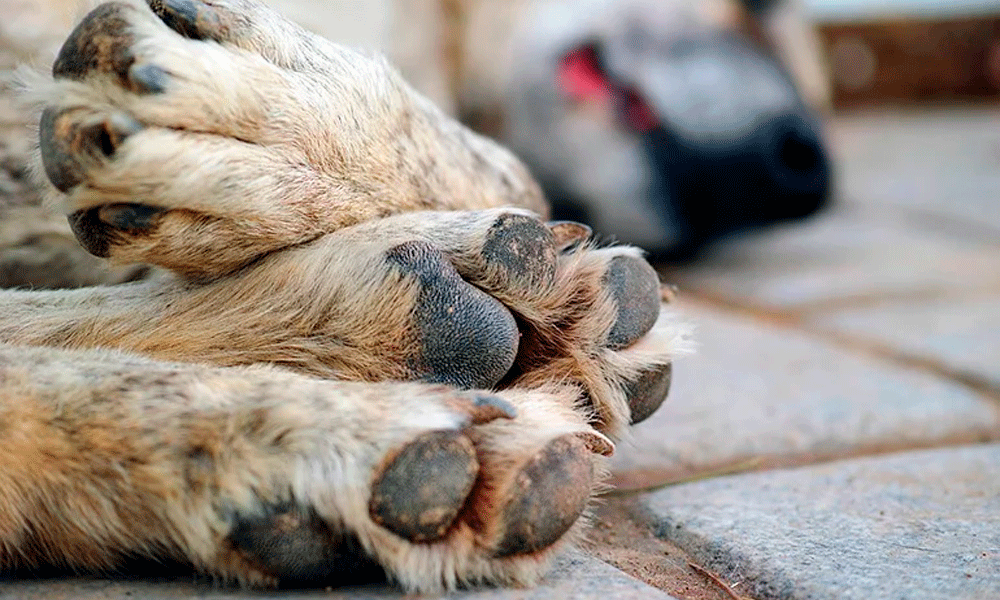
(153, 418)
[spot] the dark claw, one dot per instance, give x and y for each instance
(133, 218)
(420, 492)
(189, 18)
(568, 233)
(296, 546)
(468, 339)
(489, 408)
(636, 290)
(147, 79)
(549, 495)
(648, 392)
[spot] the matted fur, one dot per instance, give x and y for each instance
(149, 418)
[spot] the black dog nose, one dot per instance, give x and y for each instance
(794, 162)
(775, 171)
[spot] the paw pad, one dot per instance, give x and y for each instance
(294, 545)
(194, 20)
(102, 43)
(635, 287)
(646, 393)
(548, 496)
(418, 495)
(524, 249)
(467, 338)
(69, 140)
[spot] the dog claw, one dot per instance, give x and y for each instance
(567, 233)
(489, 408)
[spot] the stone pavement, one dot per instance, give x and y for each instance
(853, 364)
(848, 381)
(576, 577)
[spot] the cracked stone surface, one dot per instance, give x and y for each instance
(915, 526)
(727, 407)
(854, 254)
(961, 334)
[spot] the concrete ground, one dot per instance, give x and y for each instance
(838, 433)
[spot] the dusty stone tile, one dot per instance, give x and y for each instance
(575, 577)
(962, 334)
(843, 257)
(944, 163)
(756, 391)
(914, 526)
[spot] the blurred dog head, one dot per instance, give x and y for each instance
(669, 123)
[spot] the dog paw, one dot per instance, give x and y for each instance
(550, 307)
(433, 487)
(199, 136)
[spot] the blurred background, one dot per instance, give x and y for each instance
(910, 51)
(684, 125)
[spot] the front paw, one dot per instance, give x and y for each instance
(587, 316)
(433, 487)
(199, 136)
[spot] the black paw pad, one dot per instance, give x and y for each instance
(548, 496)
(91, 232)
(296, 546)
(524, 249)
(418, 495)
(467, 338)
(635, 287)
(648, 392)
(190, 18)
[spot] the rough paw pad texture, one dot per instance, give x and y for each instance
(548, 496)
(646, 393)
(467, 338)
(294, 545)
(420, 492)
(636, 289)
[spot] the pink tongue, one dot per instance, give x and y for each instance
(581, 77)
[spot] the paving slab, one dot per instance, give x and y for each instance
(961, 334)
(575, 577)
(945, 163)
(845, 257)
(755, 391)
(914, 526)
